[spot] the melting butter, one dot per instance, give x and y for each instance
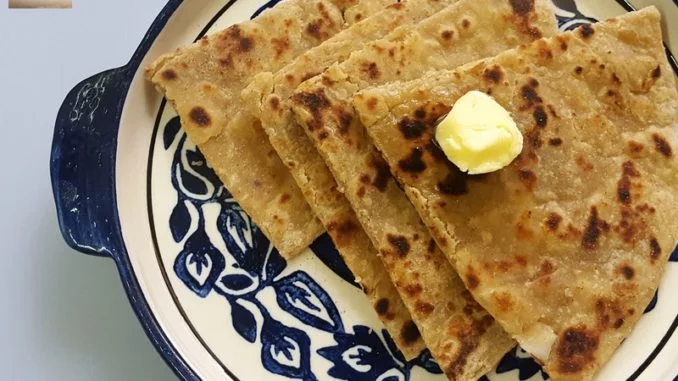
(479, 135)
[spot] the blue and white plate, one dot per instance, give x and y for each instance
(215, 298)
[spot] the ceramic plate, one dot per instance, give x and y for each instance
(215, 298)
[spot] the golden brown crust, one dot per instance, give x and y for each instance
(462, 337)
(202, 82)
(268, 95)
(591, 219)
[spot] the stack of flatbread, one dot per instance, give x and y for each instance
(319, 115)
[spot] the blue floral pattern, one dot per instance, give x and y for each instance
(255, 265)
(250, 265)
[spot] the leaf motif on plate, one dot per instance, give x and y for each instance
(426, 361)
(302, 297)
(518, 359)
(325, 250)
(199, 264)
(171, 131)
(180, 221)
(285, 350)
(360, 355)
(236, 282)
(244, 322)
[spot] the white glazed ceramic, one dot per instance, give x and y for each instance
(217, 301)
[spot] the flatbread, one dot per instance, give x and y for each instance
(462, 337)
(566, 246)
(267, 97)
(203, 82)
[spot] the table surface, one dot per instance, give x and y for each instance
(65, 316)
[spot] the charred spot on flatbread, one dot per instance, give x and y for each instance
(576, 349)
(399, 243)
(200, 117)
(662, 146)
(410, 333)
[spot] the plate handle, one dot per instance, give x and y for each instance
(82, 163)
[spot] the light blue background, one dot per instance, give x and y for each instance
(63, 316)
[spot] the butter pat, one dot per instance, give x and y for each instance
(479, 135)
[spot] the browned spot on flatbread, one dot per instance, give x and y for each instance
(530, 96)
(381, 306)
(322, 135)
(314, 29)
(562, 42)
(624, 190)
(281, 46)
(465, 23)
(540, 117)
(284, 198)
(274, 103)
(607, 310)
(371, 69)
(409, 333)
(523, 232)
(315, 102)
(472, 280)
(493, 74)
(235, 39)
(655, 249)
(446, 35)
(169, 75)
(424, 308)
(583, 163)
(413, 289)
(345, 119)
(383, 175)
(431, 246)
(412, 128)
(624, 183)
(361, 192)
(342, 231)
(626, 271)
(586, 31)
(553, 221)
(616, 79)
(635, 147)
(454, 183)
(575, 349)
(468, 337)
(544, 50)
(522, 7)
(371, 103)
(413, 162)
(657, 72)
(662, 146)
(503, 300)
(555, 142)
(399, 243)
(528, 178)
(594, 229)
(578, 69)
(200, 116)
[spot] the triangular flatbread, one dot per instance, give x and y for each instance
(267, 97)
(203, 82)
(461, 336)
(565, 246)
